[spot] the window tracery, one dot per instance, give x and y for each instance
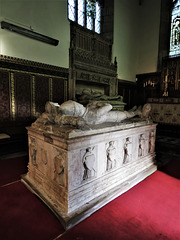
(86, 13)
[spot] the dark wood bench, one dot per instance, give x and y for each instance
(13, 136)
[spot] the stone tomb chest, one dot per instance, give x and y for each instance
(77, 172)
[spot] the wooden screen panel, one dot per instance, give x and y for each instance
(41, 92)
(23, 95)
(58, 91)
(4, 96)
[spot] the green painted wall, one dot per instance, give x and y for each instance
(136, 33)
(46, 17)
(150, 12)
(136, 37)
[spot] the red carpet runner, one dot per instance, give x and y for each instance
(24, 216)
(149, 211)
(12, 168)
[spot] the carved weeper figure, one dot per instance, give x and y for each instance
(151, 142)
(33, 151)
(127, 151)
(141, 145)
(75, 114)
(88, 162)
(111, 156)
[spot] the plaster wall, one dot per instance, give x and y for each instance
(149, 23)
(125, 46)
(45, 17)
(136, 33)
(136, 37)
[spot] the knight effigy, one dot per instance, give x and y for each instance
(82, 157)
(77, 115)
(88, 95)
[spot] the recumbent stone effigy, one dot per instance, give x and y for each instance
(81, 158)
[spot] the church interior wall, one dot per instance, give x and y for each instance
(36, 72)
(126, 38)
(149, 36)
(135, 45)
(136, 37)
(136, 33)
(45, 17)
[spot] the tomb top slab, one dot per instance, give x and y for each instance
(69, 132)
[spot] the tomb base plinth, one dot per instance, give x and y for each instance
(77, 172)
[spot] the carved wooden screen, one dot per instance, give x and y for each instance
(90, 62)
(170, 77)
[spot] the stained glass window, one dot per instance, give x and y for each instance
(98, 18)
(71, 10)
(81, 12)
(86, 13)
(175, 30)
